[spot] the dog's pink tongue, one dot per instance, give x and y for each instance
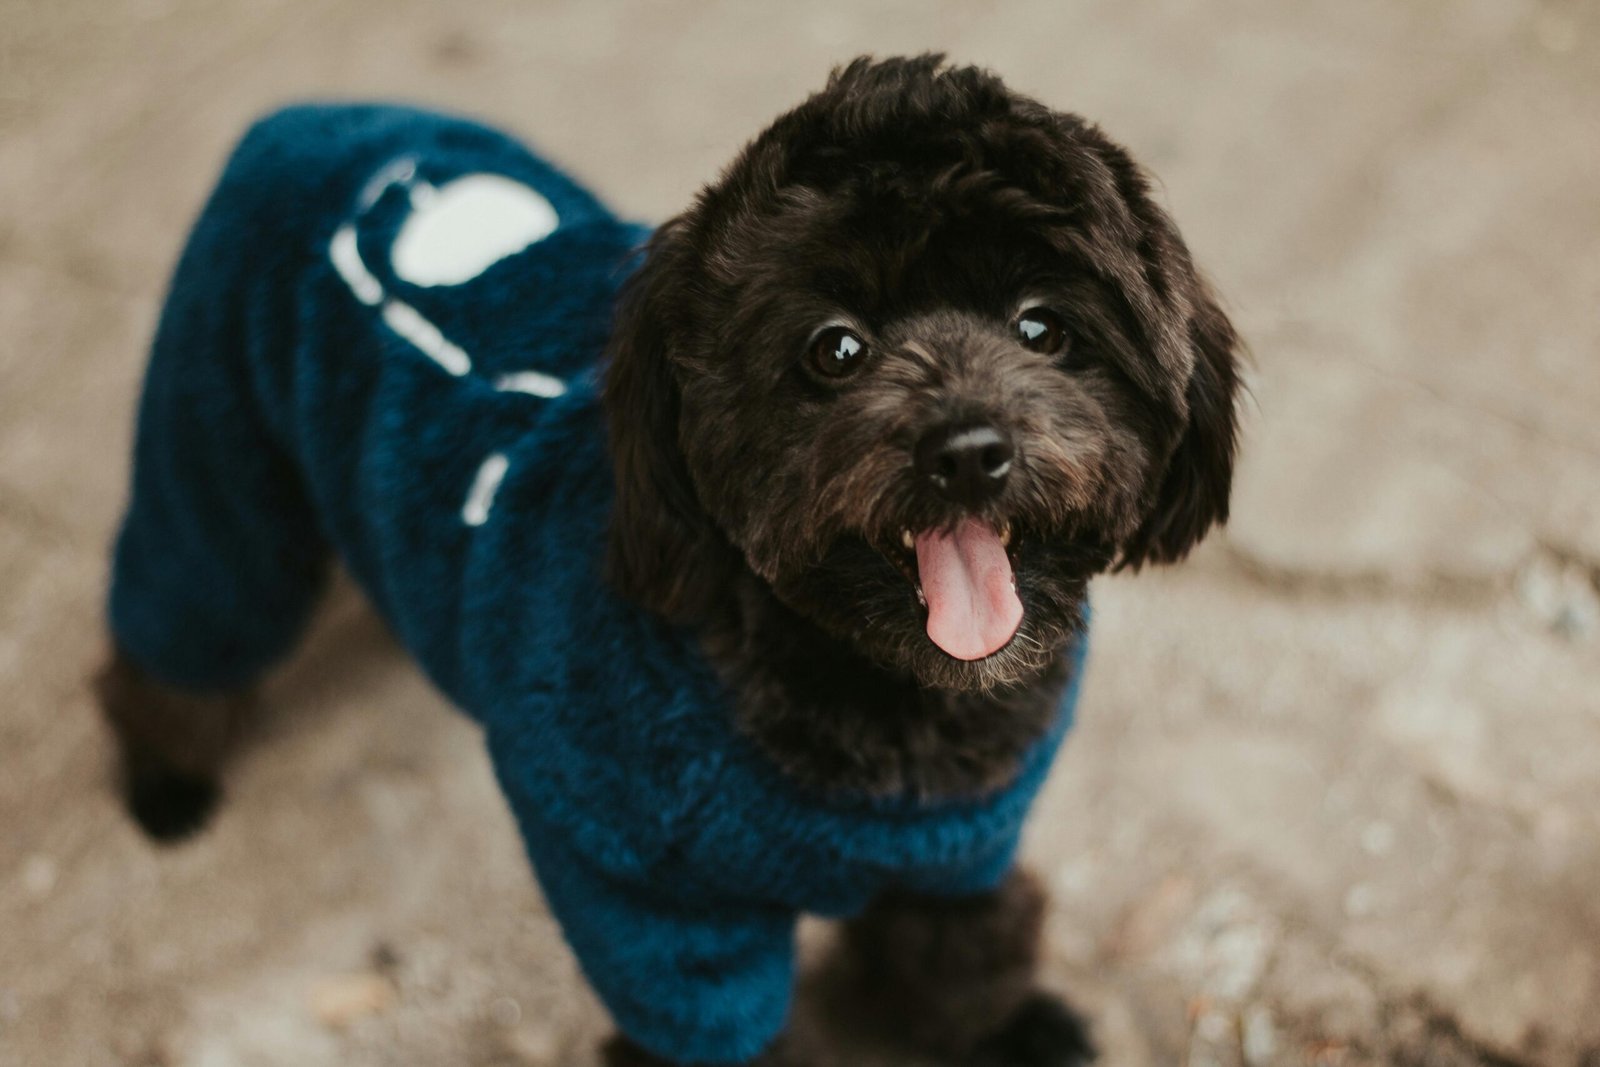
(973, 608)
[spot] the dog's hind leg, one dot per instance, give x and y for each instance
(219, 560)
(215, 573)
(214, 576)
(171, 745)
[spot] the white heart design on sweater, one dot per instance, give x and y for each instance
(458, 230)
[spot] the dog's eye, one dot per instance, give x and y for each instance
(1043, 331)
(837, 351)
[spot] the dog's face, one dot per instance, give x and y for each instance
(924, 360)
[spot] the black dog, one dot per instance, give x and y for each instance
(925, 360)
(929, 303)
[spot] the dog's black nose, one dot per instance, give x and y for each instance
(965, 462)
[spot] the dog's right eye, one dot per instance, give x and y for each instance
(1043, 331)
(837, 351)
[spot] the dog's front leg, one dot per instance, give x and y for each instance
(689, 977)
(955, 976)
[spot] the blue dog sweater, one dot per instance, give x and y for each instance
(380, 343)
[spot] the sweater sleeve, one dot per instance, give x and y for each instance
(696, 982)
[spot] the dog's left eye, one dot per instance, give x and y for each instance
(837, 351)
(1043, 331)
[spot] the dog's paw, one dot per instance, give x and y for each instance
(169, 805)
(789, 1050)
(1044, 1032)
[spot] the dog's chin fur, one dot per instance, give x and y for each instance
(764, 503)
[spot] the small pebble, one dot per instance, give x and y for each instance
(534, 1046)
(1378, 838)
(340, 1000)
(1358, 901)
(1563, 596)
(1259, 1036)
(384, 958)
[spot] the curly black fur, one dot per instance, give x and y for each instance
(764, 505)
(922, 205)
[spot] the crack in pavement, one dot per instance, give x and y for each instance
(1455, 591)
(1440, 588)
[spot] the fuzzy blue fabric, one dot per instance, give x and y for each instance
(353, 362)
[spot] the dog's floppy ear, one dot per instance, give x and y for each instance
(1180, 319)
(664, 551)
(1193, 492)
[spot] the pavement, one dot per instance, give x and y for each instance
(1334, 798)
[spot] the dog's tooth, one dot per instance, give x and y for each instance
(922, 598)
(1005, 535)
(907, 540)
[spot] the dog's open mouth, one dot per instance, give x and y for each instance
(965, 580)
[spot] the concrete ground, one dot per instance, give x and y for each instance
(1335, 798)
